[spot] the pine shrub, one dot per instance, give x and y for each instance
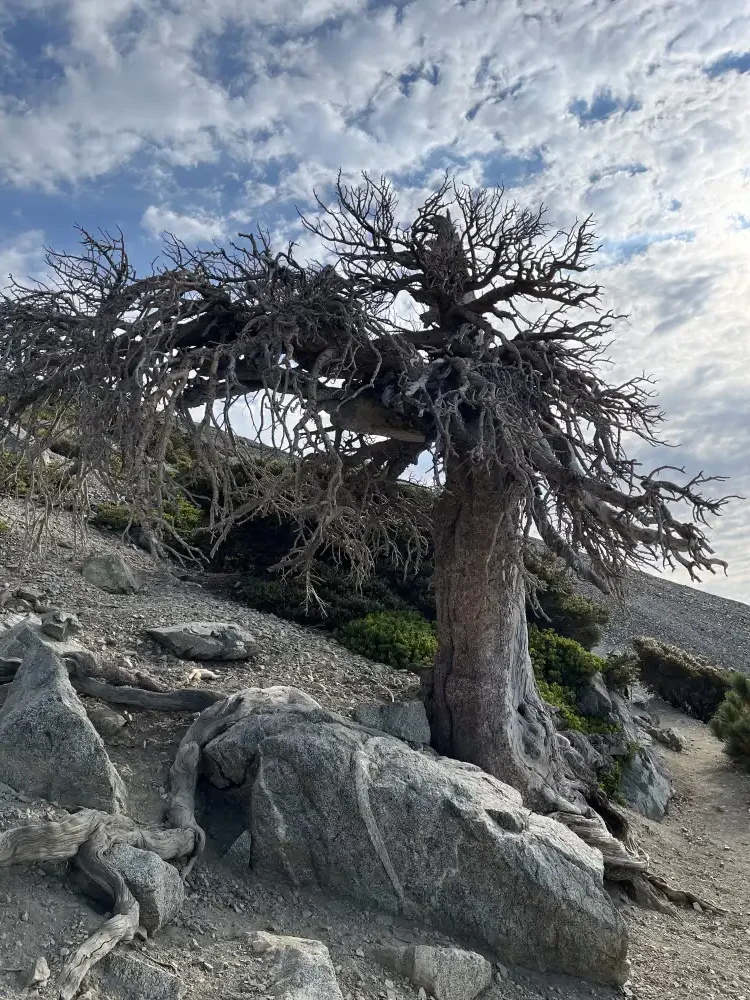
(403, 639)
(731, 724)
(559, 607)
(563, 661)
(688, 683)
(184, 517)
(339, 602)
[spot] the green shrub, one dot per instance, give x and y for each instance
(560, 608)
(341, 601)
(563, 699)
(4, 527)
(562, 661)
(621, 671)
(731, 724)
(400, 638)
(115, 516)
(180, 452)
(15, 476)
(685, 681)
(610, 779)
(182, 515)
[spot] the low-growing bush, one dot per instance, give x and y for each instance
(182, 515)
(562, 661)
(339, 601)
(621, 671)
(15, 477)
(683, 680)
(563, 699)
(400, 638)
(4, 527)
(560, 608)
(610, 778)
(114, 516)
(731, 724)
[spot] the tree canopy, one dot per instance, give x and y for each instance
(474, 332)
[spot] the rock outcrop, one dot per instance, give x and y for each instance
(336, 808)
(206, 641)
(48, 746)
(407, 720)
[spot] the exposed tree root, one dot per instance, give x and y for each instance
(607, 828)
(121, 926)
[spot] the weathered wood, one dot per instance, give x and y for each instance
(122, 926)
(180, 700)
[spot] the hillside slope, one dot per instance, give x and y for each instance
(693, 619)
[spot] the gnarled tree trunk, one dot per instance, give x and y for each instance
(483, 705)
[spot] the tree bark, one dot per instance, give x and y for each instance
(483, 704)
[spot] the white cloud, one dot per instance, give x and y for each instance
(22, 257)
(195, 228)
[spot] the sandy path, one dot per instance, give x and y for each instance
(703, 843)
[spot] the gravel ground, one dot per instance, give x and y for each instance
(693, 619)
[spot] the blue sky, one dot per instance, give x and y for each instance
(204, 118)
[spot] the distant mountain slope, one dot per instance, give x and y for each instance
(693, 619)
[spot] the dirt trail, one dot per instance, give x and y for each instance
(703, 843)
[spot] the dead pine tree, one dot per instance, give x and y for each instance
(473, 334)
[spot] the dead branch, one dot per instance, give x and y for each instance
(506, 369)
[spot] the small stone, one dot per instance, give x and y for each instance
(59, 625)
(206, 641)
(40, 973)
(25, 916)
(110, 572)
(30, 594)
(132, 978)
(697, 907)
(155, 884)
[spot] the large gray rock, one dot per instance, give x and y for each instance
(595, 699)
(126, 977)
(300, 969)
(335, 808)
(112, 573)
(671, 738)
(444, 973)
(206, 641)
(155, 884)
(407, 720)
(48, 747)
(645, 786)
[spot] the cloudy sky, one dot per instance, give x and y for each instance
(202, 117)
